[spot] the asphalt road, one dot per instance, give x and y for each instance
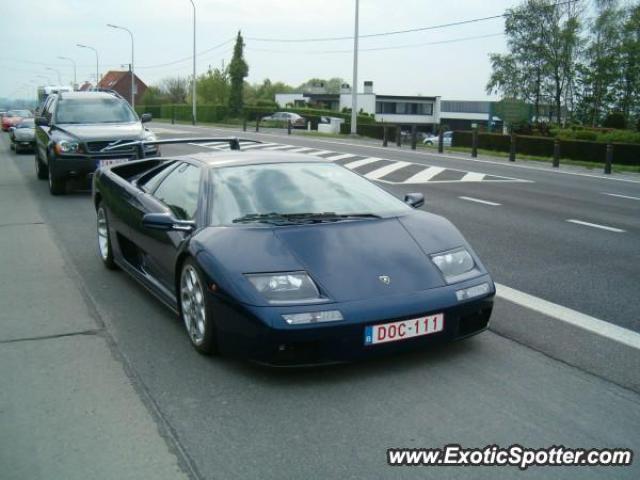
(236, 420)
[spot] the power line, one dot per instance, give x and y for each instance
(372, 49)
(190, 57)
(394, 32)
(369, 35)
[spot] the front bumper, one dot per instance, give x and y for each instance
(84, 164)
(261, 334)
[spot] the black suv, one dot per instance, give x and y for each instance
(73, 128)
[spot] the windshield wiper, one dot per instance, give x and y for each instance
(300, 218)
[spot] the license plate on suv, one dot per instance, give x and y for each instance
(404, 329)
(109, 162)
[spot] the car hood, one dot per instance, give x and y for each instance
(24, 133)
(103, 131)
(346, 259)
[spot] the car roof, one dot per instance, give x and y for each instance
(248, 157)
(66, 95)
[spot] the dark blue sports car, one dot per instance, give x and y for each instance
(289, 259)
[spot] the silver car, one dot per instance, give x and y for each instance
(23, 135)
(433, 141)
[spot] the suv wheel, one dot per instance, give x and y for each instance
(57, 185)
(41, 168)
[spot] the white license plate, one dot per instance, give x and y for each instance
(404, 329)
(109, 162)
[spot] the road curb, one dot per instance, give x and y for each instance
(569, 342)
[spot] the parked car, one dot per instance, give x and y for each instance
(75, 127)
(297, 121)
(447, 137)
(23, 135)
(13, 117)
(286, 258)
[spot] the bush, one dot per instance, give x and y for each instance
(581, 150)
(615, 120)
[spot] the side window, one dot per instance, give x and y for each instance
(179, 191)
(152, 179)
(46, 108)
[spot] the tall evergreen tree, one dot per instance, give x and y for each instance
(238, 71)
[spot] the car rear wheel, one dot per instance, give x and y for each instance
(195, 308)
(57, 185)
(104, 239)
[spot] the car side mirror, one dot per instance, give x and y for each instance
(42, 121)
(167, 222)
(11, 129)
(415, 200)
(146, 117)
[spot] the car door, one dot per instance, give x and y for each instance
(179, 193)
(42, 132)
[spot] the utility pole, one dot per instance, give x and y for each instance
(354, 86)
(193, 94)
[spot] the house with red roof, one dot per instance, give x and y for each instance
(120, 81)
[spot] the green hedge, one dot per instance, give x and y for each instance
(205, 113)
(582, 150)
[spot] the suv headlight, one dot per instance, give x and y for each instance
(285, 287)
(149, 136)
(66, 146)
(456, 265)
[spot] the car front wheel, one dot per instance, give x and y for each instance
(195, 308)
(57, 185)
(104, 239)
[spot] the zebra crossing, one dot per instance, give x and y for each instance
(374, 168)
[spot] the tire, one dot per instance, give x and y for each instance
(17, 149)
(57, 185)
(41, 169)
(104, 238)
(195, 308)
(429, 144)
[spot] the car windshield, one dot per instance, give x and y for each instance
(94, 110)
(259, 193)
(28, 123)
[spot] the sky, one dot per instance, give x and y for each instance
(37, 32)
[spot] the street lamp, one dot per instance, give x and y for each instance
(193, 94)
(133, 104)
(57, 73)
(354, 87)
(97, 65)
(75, 82)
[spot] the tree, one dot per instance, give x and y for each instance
(543, 41)
(175, 88)
(153, 96)
(238, 71)
(331, 86)
(628, 85)
(214, 87)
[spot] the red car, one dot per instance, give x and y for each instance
(14, 117)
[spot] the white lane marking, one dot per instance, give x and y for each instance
(256, 145)
(386, 170)
(621, 196)
(425, 175)
(303, 149)
(341, 156)
(321, 152)
(477, 200)
(596, 225)
(473, 177)
(278, 147)
(360, 163)
(573, 317)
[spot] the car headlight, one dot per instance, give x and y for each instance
(285, 287)
(149, 136)
(455, 265)
(66, 146)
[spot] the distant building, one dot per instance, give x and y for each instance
(120, 81)
(396, 109)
